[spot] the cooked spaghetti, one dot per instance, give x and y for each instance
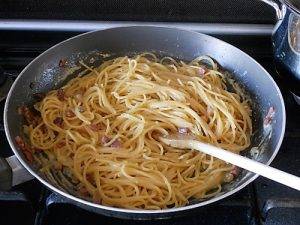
(96, 137)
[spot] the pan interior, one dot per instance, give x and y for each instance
(45, 74)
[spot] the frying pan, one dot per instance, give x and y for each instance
(44, 74)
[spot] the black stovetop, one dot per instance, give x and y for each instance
(261, 203)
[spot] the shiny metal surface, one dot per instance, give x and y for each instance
(286, 43)
(293, 4)
(19, 174)
(181, 44)
(275, 6)
(85, 26)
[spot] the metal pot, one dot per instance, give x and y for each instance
(44, 74)
(286, 42)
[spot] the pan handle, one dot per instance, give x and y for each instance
(276, 6)
(12, 173)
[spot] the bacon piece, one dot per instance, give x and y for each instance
(62, 63)
(83, 191)
(28, 115)
(20, 143)
(28, 156)
(89, 177)
(58, 121)
(235, 171)
(37, 150)
(61, 144)
(27, 151)
(183, 130)
(105, 139)
(39, 96)
(115, 144)
(70, 113)
(61, 94)
(270, 115)
(95, 127)
(97, 201)
(201, 71)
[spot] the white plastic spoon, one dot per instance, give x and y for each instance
(235, 159)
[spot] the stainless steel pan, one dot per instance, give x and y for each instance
(286, 43)
(44, 74)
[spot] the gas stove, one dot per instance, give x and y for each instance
(263, 202)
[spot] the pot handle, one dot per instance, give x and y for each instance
(12, 173)
(276, 6)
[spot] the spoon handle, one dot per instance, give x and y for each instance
(240, 161)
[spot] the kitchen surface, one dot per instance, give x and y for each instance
(28, 28)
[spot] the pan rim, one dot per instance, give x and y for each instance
(139, 211)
